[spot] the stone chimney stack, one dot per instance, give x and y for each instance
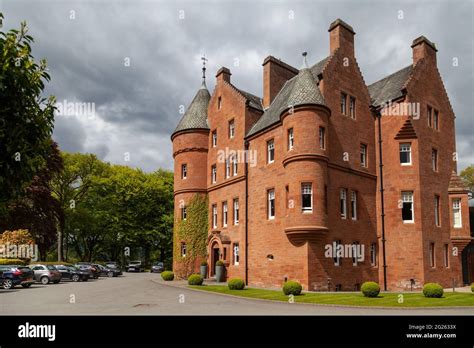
(423, 48)
(341, 35)
(223, 74)
(275, 74)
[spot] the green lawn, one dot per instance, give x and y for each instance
(350, 299)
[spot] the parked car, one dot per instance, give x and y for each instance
(13, 275)
(73, 273)
(112, 264)
(45, 273)
(95, 272)
(157, 267)
(108, 272)
(135, 266)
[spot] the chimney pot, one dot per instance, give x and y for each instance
(223, 74)
(275, 74)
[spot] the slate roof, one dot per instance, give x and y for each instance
(390, 87)
(301, 89)
(195, 116)
(255, 102)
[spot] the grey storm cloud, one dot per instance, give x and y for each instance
(86, 44)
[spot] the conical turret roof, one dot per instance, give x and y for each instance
(305, 90)
(195, 116)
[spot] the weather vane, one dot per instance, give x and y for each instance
(204, 60)
(304, 54)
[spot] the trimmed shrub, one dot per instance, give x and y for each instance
(220, 263)
(370, 289)
(195, 279)
(433, 290)
(204, 263)
(167, 275)
(472, 287)
(292, 287)
(236, 284)
(19, 262)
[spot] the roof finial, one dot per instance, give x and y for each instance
(204, 60)
(305, 64)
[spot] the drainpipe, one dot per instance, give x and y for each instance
(246, 212)
(379, 117)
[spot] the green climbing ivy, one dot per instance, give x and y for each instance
(192, 232)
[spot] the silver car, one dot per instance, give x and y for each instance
(46, 273)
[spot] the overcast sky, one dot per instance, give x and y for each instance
(88, 45)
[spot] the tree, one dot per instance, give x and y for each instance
(468, 175)
(16, 237)
(37, 210)
(26, 117)
(71, 185)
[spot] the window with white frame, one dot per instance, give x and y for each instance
(270, 151)
(354, 205)
(214, 216)
(322, 138)
(373, 254)
(436, 210)
(224, 214)
(307, 196)
(363, 155)
(231, 129)
(227, 168)
(236, 254)
(183, 213)
(343, 103)
(446, 255)
(290, 139)
(234, 165)
(336, 257)
(432, 254)
(436, 120)
(271, 204)
(183, 249)
(405, 154)
(343, 203)
(214, 174)
(184, 171)
(457, 221)
(352, 109)
(434, 159)
(407, 206)
(214, 138)
(355, 255)
(236, 211)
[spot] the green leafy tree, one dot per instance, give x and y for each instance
(26, 118)
(468, 175)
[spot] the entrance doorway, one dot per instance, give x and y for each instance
(214, 259)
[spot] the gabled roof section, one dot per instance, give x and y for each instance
(254, 101)
(195, 116)
(297, 94)
(390, 87)
(407, 131)
(457, 184)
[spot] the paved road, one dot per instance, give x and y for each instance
(147, 294)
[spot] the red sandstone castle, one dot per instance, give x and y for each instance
(323, 162)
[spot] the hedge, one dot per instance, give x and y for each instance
(20, 262)
(370, 289)
(292, 287)
(236, 284)
(433, 290)
(195, 279)
(167, 275)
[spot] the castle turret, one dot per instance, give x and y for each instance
(190, 146)
(306, 161)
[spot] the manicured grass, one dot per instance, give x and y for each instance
(350, 299)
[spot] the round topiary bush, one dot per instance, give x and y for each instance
(370, 289)
(433, 290)
(292, 287)
(195, 279)
(236, 284)
(204, 263)
(220, 263)
(167, 275)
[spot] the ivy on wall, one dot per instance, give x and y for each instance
(192, 232)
